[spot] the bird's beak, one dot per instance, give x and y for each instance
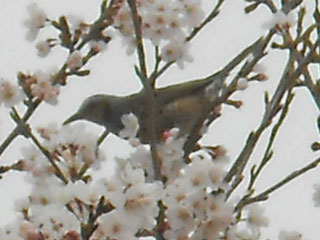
(74, 117)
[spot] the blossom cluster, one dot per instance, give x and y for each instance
(193, 194)
(193, 198)
(73, 147)
(55, 210)
(196, 202)
(40, 85)
(135, 202)
(165, 23)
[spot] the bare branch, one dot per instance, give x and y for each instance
(265, 195)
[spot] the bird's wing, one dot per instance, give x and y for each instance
(171, 93)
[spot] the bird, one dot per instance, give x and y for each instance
(178, 106)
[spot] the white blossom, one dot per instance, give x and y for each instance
(37, 20)
(193, 14)
(77, 146)
(189, 195)
(281, 19)
(255, 216)
(117, 225)
(75, 61)
(171, 152)
(49, 217)
(131, 126)
(181, 222)
(97, 46)
(44, 89)
(135, 205)
(28, 231)
(176, 52)
(10, 94)
(166, 23)
(34, 162)
(43, 48)
(141, 158)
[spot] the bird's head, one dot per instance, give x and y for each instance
(93, 109)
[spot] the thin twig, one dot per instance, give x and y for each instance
(156, 66)
(26, 130)
(285, 83)
(155, 75)
(269, 3)
(138, 32)
(32, 106)
(275, 129)
(103, 207)
(265, 195)
(207, 20)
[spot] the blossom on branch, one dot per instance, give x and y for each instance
(165, 23)
(176, 52)
(256, 219)
(10, 95)
(281, 20)
(36, 21)
(43, 48)
(75, 60)
(44, 89)
(131, 127)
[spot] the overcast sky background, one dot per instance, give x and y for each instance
(291, 208)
